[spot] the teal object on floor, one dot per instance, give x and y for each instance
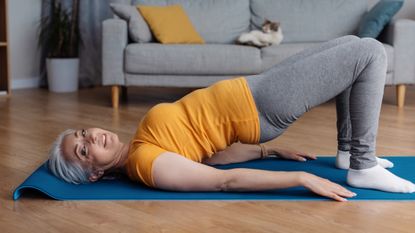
(123, 189)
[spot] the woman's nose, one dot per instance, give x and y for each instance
(92, 138)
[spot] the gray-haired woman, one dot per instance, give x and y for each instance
(176, 142)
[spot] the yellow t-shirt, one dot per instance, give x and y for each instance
(198, 125)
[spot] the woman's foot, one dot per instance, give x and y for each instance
(343, 160)
(379, 178)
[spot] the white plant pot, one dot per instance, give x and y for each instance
(62, 74)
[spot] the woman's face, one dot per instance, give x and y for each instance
(92, 148)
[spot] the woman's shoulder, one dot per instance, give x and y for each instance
(140, 160)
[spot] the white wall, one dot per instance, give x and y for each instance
(23, 19)
(24, 16)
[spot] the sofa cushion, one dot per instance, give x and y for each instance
(216, 21)
(380, 15)
(212, 59)
(138, 29)
(170, 24)
(273, 55)
(311, 20)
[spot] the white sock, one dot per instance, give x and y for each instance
(379, 178)
(343, 160)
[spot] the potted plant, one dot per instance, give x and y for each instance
(59, 37)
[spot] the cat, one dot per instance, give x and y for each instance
(271, 34)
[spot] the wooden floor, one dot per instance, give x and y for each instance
(31, 119)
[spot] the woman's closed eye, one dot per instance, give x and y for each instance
(83, 132)
(84, 151)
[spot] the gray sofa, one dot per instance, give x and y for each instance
(220, 22)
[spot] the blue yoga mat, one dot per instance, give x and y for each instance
(123, 189)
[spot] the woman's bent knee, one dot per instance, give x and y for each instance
(374, 47)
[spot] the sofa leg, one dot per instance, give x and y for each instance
(400, 95)
(115, 93)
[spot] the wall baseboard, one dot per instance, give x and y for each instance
(30, 82)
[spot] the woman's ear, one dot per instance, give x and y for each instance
(95, 175)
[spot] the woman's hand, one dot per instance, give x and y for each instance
(325, 187)
(290, 154)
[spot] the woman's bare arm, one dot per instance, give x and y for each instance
(236, 153)
(239, 152)
(172, 171)
(241, 179)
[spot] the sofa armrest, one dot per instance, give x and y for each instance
(401, 35)
(114, 41)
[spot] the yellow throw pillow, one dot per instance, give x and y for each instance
(170, 24)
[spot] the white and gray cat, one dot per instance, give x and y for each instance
(271, 34)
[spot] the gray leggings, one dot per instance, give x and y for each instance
(349, 68)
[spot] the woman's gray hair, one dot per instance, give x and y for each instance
(71, 172)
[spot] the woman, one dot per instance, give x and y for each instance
(175, 142)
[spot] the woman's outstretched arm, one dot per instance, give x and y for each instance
(172, 171)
